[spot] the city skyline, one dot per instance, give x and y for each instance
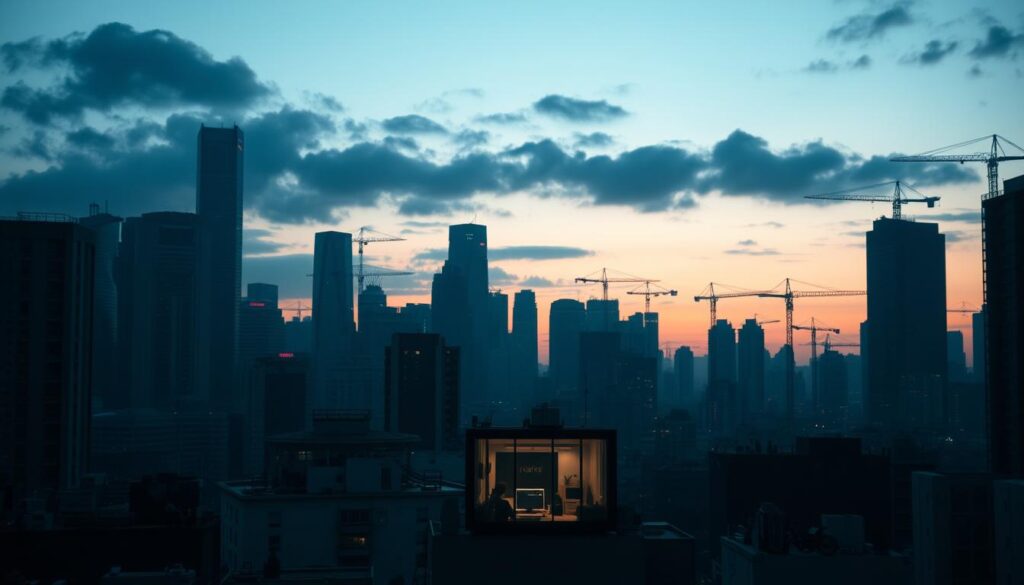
(667, 188)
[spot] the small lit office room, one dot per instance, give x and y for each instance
(523, 478)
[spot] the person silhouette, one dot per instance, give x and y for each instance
(500, 508)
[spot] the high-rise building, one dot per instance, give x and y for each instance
(260, 334)
(722, 384)
(333, 320)
(156, 280)
(421, 390)
(953, 527)
(906, 276)
(978, 346)
(219, 209)
(566, 321)
(107, 234)
(683, 368)
(467, 251)
(832, 406)
(279, 387)
(955, 356)
(378, 323)
(47, 267)
(524, 345)
(603, 315)
(1004, 326)
(298, 335)
(598, 377)
(750, 370)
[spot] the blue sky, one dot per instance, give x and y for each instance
(701, 125)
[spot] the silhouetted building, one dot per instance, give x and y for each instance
(683, 368)
(421, 390)
(833, 391)
(105, 371)
(219, 209)
(298, 335)
(566, 321)
(378, 323)
(1004, 326)
(821, 476)
(906, 354)
(47, 267)
(598, 377)
(955, 356)
(953, 528)
(640, 334)
(156, 279)
(418, 316)
(449, 319)
(524, 345)
(467, 251)
(675, 438)
(750, 371)
(501, 391)
(279, 389)
(978, 346)
(333, 324)
(338, 499)
(1008, 508)
(603, 315)
(722, 402)
(260, 334)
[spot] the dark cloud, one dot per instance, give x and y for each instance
(115, 66)
(356, 130)
(35, 146)
(400, 142)
(326, 102)
(502, 118)
(472, 138)
(862, 62)
(497, 276)
(424, 224)
(577, 110)
(742, 164)
(537, 282)
(288, 272)
(956, 236)
(998, 43)
(513, 253)
(90, 139)
(975, 71)
(593, 140)
(255, 242)
(537, 253)
(821, 66)
(963, 216)
(413, 124)
(746, 243)
(933, 52)
(869, 26)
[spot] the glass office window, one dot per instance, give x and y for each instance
(531, 480)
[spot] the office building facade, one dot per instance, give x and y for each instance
(219, 209)
(333, 320)
(421, 387)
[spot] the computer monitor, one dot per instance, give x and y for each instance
(529, 499)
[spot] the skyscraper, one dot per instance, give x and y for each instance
(566, 321)
(524, 344)
(978, 346)
(46, 308)
(467, 252)
(683, 367)
(833, 391)
(279, 387)
(333, 324)
(219, 208)
(750, 370)
(156, 279)
(422, 390)
(107, 230)
(260, 334)
(906, 270)
(955, 356)
(721, 394)
(603, 315)
(1004, 326)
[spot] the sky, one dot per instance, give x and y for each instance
(669, 140)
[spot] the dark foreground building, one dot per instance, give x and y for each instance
(46, 301)
(1004, 326)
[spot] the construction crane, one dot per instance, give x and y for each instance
(712, 296)
(996, 154)
(962, 309)
(828, 345)
(298, 309)
(869, 193)
(605, 280)
(366, 236)
(788, 294)
(647, 293)
(766, 322)
(814, 328)
(376, 273)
